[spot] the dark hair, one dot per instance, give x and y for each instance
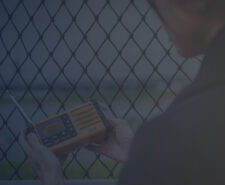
(204, 7)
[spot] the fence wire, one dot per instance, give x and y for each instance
(56, 54)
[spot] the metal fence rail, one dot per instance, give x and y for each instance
(55, 54)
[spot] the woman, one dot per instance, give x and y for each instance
(184, 145)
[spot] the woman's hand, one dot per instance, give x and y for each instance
(118, 144)
(43, 161)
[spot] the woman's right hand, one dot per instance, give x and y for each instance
(45, 163)
(118, 144)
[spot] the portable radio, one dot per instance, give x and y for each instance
(74, 128)
(71, 129)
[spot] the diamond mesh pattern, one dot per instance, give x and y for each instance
(56, 54)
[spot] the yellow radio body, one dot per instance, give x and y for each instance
(73, 129)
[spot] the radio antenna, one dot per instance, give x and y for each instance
(29, 123)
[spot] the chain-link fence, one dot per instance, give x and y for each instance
(56, 54)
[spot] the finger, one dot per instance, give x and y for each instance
(23, 142)
(33, 141)
(112, 120)
(64, 155)
(62, 158)
(103, 106)
(106, 110)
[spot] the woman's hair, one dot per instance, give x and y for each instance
(204, 7)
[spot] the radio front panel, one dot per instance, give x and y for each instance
(78, 126)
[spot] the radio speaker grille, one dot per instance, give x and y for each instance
(85, 116)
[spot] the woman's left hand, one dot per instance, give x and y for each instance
(43, 161)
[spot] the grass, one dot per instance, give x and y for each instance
(85, 95)
(73, 171)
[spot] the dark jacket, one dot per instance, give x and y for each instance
(186, 144)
